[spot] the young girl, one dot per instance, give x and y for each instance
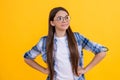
(62, 50)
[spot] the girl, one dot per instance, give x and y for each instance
(62, 50)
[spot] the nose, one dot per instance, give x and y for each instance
(63, 20)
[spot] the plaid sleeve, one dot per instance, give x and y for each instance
(34, 51)
(90, 45)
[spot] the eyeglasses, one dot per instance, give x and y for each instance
(60, 18)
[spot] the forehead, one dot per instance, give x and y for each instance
(61, 13)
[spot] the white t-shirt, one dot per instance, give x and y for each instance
(62, 67)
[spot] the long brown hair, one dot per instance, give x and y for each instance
(74, 55)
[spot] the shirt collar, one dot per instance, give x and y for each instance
(56, 38)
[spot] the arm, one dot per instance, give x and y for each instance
(95, 60)
(30, 55)
(32, 63)
(98, 49)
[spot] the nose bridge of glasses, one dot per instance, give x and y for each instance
(65, 18)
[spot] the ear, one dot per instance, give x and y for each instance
(52, 23)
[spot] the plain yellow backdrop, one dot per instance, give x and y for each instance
(24, 22)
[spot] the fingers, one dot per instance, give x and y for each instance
(46, 71)
(80, 71)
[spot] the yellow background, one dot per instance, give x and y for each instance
(24, 22)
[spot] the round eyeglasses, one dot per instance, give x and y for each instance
(60, 18)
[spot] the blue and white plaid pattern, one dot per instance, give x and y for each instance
(82, 42)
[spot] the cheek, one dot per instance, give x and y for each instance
(68, 23)
(57, 24)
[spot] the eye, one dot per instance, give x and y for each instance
(59, 18)
(67, 18)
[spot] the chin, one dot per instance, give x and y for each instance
(65, 28)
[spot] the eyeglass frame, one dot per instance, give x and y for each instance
(63, 18)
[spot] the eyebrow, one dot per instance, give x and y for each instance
(62, 16)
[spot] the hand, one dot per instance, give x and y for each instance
(81, 71)
(46, 71)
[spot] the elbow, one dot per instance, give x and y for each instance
(102, 54)
(26, 60)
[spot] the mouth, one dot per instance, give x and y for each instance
(64, 25)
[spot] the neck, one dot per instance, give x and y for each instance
(60, 33)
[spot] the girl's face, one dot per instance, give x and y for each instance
(61, 21)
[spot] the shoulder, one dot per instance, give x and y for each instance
(78, 35)
(42, 39)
